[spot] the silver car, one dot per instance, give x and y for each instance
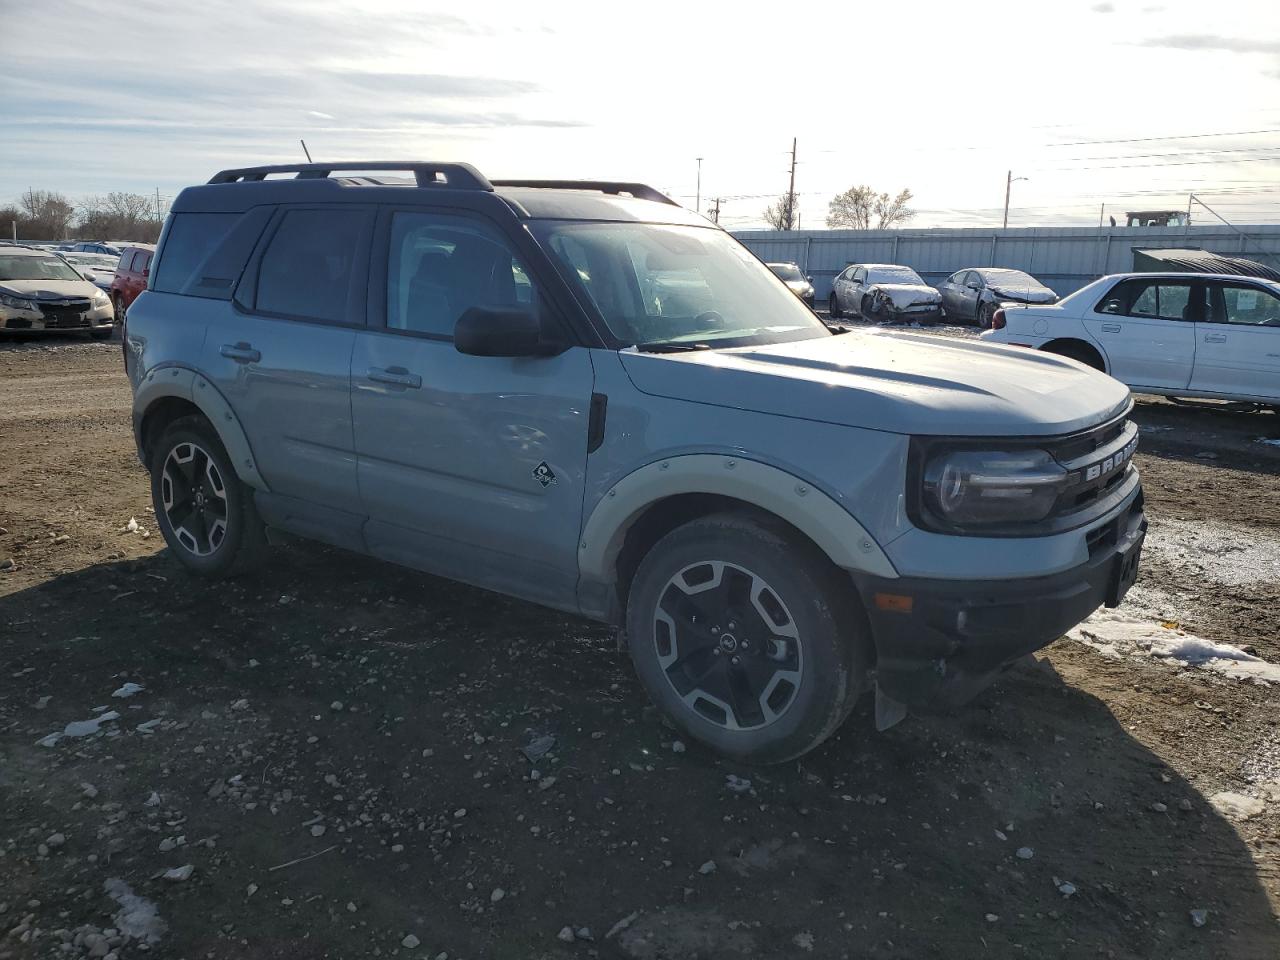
(884, 293)
(977, 293)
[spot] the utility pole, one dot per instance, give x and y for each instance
(698, 203)
(715, 212)
(791, 190)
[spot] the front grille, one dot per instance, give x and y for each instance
(65, 313)
(1098, 461)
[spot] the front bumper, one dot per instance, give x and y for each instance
(72, 317)
(954, 637)
(917, 315)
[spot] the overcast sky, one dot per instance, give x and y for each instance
(939, 97)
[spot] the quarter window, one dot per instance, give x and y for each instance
(307, 267)
(189, 239)
(1162, 300)
(441, 265)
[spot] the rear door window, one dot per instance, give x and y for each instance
(308, 264)
(189, 239)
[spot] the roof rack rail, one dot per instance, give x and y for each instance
(641, 191)
(458, 176)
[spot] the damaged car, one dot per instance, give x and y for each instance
(976, 293)
(39, 290)
(884, 293)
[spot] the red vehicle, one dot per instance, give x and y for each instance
(131, 277)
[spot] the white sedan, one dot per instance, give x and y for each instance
(1173, 334)
(884, 293)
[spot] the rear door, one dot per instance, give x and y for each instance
(469, 467)
(1147, 330)
(1238, 345)
(281, 355)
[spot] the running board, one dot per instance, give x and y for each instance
(889, 712)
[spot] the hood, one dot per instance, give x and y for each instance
(1023, 293)
(905, 294)
(896, 382)
(48, 289)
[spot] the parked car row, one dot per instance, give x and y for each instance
(46, 288)
(892, 293)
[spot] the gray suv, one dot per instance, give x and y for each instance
(581, 394)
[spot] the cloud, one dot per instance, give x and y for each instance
(1103, 8)
(1196, 41)
(320, 116)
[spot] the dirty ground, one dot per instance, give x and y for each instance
(341, 758)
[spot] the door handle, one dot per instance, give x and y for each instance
(240, 352)
(398, 376)
(1111, 328)
(1215, 338)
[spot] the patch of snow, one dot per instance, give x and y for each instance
(1223, 552)
(138, 917)
(128, 690)
(1270, 441)
(79, 728)
(1122, 636)
(1236, 806)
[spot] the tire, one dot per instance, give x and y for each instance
(833, 307)
(117, 304)
(761, 701)
(223, 536)
(984, 316)
(102, 334)
(1078, 351)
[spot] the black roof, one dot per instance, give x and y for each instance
(1199, 261)
(237, 190)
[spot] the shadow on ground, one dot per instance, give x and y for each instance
(371, 718)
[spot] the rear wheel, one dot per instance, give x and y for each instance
(741, 633)
(1076, 350)
(204, 511)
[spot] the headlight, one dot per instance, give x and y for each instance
(17, 303)
(987, 488)
(99, 299)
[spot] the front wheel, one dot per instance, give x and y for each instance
(985, 316)
(833, 307)
(741, 633)
(204, 511)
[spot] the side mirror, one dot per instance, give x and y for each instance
(809, 278)
(87, 274)
(499, 332)
(973, 286)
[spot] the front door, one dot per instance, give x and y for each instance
(1146, 329)
(282, 355)
(470, 467)
(1238, 349)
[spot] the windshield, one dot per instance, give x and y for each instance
(102, 261)
(659, 284)
(786, 271)
(36, 268)
(894, 275)
(1010, 278)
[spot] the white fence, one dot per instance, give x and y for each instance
(1063, 258)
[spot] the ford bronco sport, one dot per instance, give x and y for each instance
(583, 395)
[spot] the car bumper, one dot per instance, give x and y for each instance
(932, 315)
(941, 642)
(95, 318)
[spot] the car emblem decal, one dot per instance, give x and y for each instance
(542, 473)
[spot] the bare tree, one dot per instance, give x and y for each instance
(118, 216)
(46, 214)
(781, 214)
(858, 208)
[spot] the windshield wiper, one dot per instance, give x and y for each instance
(660, 347)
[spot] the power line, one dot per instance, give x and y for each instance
(1184, 136)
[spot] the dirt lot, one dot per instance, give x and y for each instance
(327, 758)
